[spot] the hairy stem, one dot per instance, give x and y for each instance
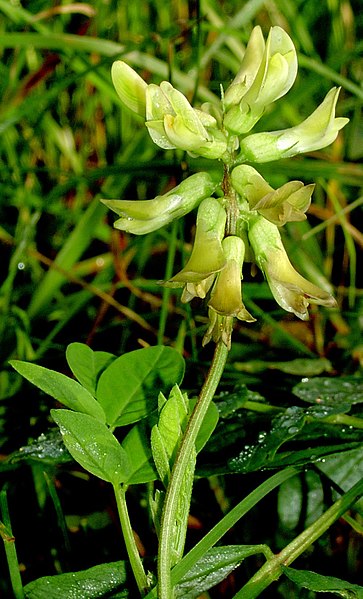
(172, 493)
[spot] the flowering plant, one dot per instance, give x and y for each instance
(247, 211)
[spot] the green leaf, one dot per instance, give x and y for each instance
(298, 367)
(166, 437)
(156, 503)
(64, 389)
(345, 469)
(137, 447)
(212, 568)
(160, 455)
(324, 584)
(342, 391)
(296, 457)
(48, 448)
(87, 584)
(261, 455)
(62, 41)
(128, 389)
(303, 366)
(87, 365)
(167, 433)
(290, 498)
(228, 404)
(245, 442)
(300, 502)
(93, 446)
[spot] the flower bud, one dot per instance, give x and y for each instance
(130, 87)
(143, 216)
(261, 81)
(288, 203)
(291, 291)
(319, 130)
(207, 257)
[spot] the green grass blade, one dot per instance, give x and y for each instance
(72, 250)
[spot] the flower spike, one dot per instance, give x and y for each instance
(243, 222)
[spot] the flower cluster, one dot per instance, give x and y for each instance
(243, 221)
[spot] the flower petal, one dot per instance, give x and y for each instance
(248, 70)
(144, 216)
(226, 297)
(286, 204)
(130, 87)
(319, 130)
(291, 291)
(275, 75)
(207, 257)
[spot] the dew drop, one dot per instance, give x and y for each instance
(293, 430)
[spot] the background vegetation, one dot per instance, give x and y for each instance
(66, 275)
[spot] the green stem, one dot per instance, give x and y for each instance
(177, 474)
(10, 549)
(224, 525)
(228, 521)
(128, 535)
(273, 568)
(345, 419)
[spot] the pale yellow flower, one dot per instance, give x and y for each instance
(267, 73)
(226, 296)
(207, 257)
(291, 291)
(319, 130)
(288, 203)
(143, 216)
